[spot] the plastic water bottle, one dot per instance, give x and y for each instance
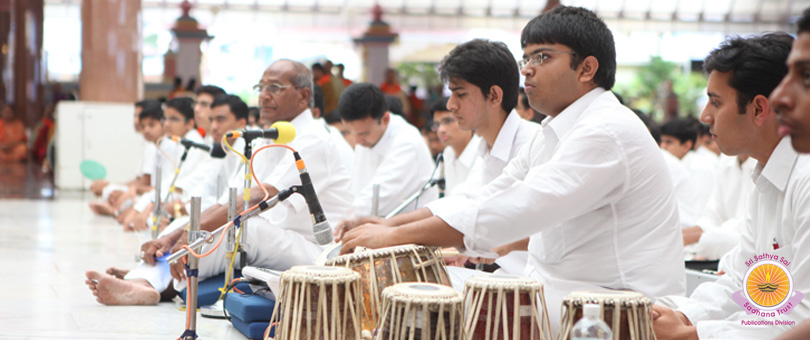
(591, 326)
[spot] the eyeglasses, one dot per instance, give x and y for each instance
(273, 89)
(443, 121)
(538, 58)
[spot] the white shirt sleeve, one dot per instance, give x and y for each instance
(587, 171)
(396, 174)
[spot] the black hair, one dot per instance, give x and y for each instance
(394, 105)
(360, 101)
(803, 25)
(147, 103)
(484, 64)
(439, 105)
(582, 31)
(332, 118)
(184, 105)
(235, 104)
(212, 90)
(681, 129)
(318, 66)
(153, 112)
(757, 64)
(318, 101)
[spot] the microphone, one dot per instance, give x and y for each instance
(320, 226)
(189, 144)
(217, 151)
(281, 132)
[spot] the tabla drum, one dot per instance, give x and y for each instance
(384, 267)
(627, 313)
(420, 311)
(505, 307)
(317, 302)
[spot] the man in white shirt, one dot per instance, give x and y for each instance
(790, 99)
(459, 154)
(591, 190)
(280, 237)
(718, 229)
(178, 122)
(389, 152)
(792, 105)
(742, 74)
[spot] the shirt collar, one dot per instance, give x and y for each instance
(564, 121)
(504, 142)
(779, 167)
(468, 155)
(302, 119)
(382, 146)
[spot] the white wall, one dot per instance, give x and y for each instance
(102, 132)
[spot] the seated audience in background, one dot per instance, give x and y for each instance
(389, 152)
(323, 78)
(719, 227)
(13, 147)
(742, 74)
(705, 145)
(461, 147)
(678, 137)
(431, 139)
(178, 122)
(112, 196)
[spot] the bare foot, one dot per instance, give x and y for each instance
(102, 208)
(118, 273)
(109, 290)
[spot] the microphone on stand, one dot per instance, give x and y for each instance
(281, 132)
(441, 181)
(320, 226)
(191, 144)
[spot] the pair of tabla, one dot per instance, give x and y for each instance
(344, 300)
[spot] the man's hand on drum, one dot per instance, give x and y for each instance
(369, 235)
(345, 225)
(669, 324)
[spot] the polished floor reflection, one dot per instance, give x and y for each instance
(45, 248)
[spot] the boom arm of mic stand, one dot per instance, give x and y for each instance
(263, 206)
(413, 197)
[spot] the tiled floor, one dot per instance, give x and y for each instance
(24, 180)
(45, 248)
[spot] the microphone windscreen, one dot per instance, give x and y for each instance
(217, 151)
(323, 233)
(286, 132)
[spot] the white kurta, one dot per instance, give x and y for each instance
(778, 209)
(593, 192)
(400, 163)
(723, 220)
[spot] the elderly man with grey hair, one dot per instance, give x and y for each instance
(278, 238)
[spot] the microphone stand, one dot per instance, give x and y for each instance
(239, 220)
(192, 270)
(231, 237)
(431, 183)
(156, 217)
(245, 202)
(375, 200)
(156, 206)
